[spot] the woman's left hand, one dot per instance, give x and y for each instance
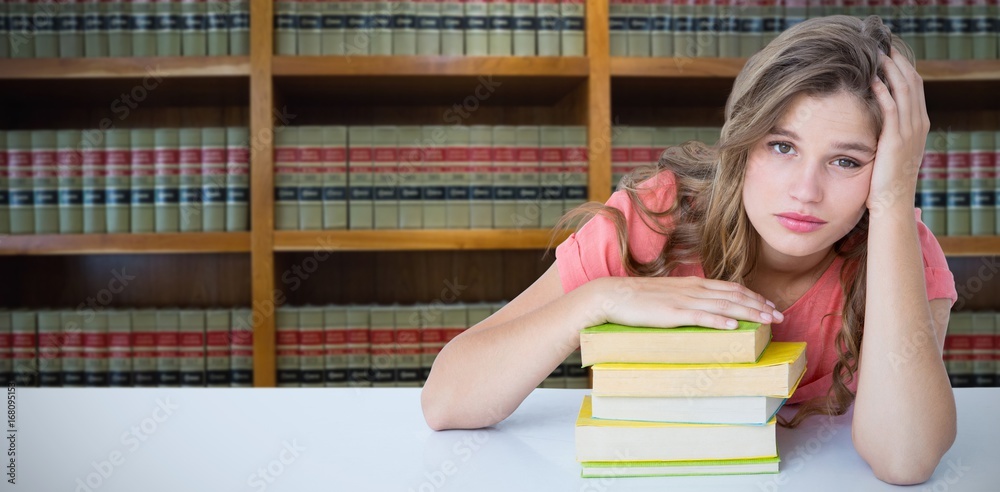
(904, 133)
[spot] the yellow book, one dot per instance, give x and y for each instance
(775, 374)
(611, 342)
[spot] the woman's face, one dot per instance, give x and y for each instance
(807, 181)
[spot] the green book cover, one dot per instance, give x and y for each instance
(119, 31)
(191, 351)
(213, 175)
(285, 27)
(983, 333)
(430, 36)
(309, 30)
(453, 36)
(117, 181)
(143, 180)
(404, 29)
(168, 27)
(383, 346)
(119, 349)
(332, 21)
(933, 184)
(69, 25)
(360, 181)
(385, 169)
(94, 192)
(408, 370)
(46, 181)
(69, 165)
(217, 348)
(4, 185)
(143, 27)
(380, 27)
(358, 348)
(935, 30)
(958, 17)
(237, 178)
(684, 33)
(500, 33)
(477, 39)
(144, 357)
(217, 29)
(22, 39)
(286, 325)
(24, 334)
(193, 31)
(309, 173)
(743, 326)
(95, 349)
(435, 205)
(637, 37)
(622, 469)
(95, 34)
(550, 203)
(71, 351)
(49, 362)
(21, 182)
(528, 177)
(241, 347)
(411, 210)
(286, 179)
(480, 177)
(239, 27)
(456, 177)
(571, 13)
(577, 167)
(167, 347)
(312, 359)
(504, 177)
(984, 37)
(43, 21)
(167, 183)
(548, 28)
(335, 340)
(189, 191)
(959, 221)
(983, 183)
(334, 177)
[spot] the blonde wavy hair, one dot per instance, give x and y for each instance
(818, 57)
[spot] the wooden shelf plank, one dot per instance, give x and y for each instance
(430, 66)
(970, 245)
(86, 244)
(111, 68)
(416, 239)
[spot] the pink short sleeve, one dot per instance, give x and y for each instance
(937, 275)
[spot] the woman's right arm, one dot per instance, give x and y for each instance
(481, 376)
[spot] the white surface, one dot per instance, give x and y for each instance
(376, 439)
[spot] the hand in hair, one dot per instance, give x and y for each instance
(904, 134)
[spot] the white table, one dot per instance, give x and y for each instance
(170, 439)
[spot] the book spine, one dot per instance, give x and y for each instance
(385, 173)
(24, 330)
(476, 24)
(983, 365)
(237, 179)
(239, 27)
(933, 185)
(308, 32)
(524, 27)
(73, 326)
(44, 29)
(404, 28)
(360, 180)
(285, 26)
(142, 214)
(194, 41)
(117, 183)
(618, 11)
(935, 27)
(383, 347)
(288, 365)
(168, 348)
(358, 347)
(356, 34)
(69, 163)
(4, 184)
(144, 356)
(333, 23)
(456, 178)
(411, 209)
(752, 30)
(168, 24)
(190, 180)
(191, 348)
(571, 38)
(94, 178)
(639, 34)
(553, 178)
(217, 348)
(959, 29)
(241, 347)
(452, 24)
(505, 174)
(547, 27)
(167, 181)
(6, 348)
(381, 27)
(95, 349)
(481, 177)
(143, 26)
(22, 39)
(501, 14)
(49, 341)
(217, 28)
(312, 357)
(959, 221)
(434, 186)
(45, 181)
(119, 35)
(958, 349)
(67, 23)
(310, 178)
(983, 183)
(335, 347)
(427, 21)
(21, 182)
(577, 166)
(119, 349)
(213, 176)
(772, 22)
(528, 172)
(407, 347)
(661, 31)
(334, 177)
(286, 191)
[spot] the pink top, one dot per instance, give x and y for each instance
(592, 252)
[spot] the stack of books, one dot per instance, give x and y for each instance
(684, 401)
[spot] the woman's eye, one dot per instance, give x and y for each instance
(782, 147)
(850, 163)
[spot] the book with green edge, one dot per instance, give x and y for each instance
(776, 373)
(612, 342)
(623, 469)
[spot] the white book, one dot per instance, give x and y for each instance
(408, 360)
(143, 180)
(552, 176)
(69, 165)
(501, 32)
(428, 24)
(456, 177)
(360, 179)
(167, 183)
(119, 32)
(94, 194)
(286, 325)
(411, 204)
(383, 346)
(661, 35)
(452, 29)
(576, 168)
(571, 39)
(435, 205)
(119, 349)
(381, 27)
(309, 172)
(524, 26)
(6, 348)
(21, 182)
(144, 356)
(213, 179)
(117, 182)
(217, 348)
(167, 347)
(285, 26)
(481, 176)
(744, 410)
(385, 170)
(548, 28)
(71, 349)
(241, 347)
(618, 27)
(333, 26)
(95, 349)
(335, 346)
(143, 27)
(334, 156)
(45, 181)
(69, 29)
(404, 28)
(640, 24)
(168, 28)
(237, 178)
(309, 31)
(358, 346)
(49, 361)
(528, 198)
(239, 27)
(477, 27)
(286, 179)
(505, 177)
(357, 35)
(312, 358)
(4, 186)
(24, 335)
(191, 347)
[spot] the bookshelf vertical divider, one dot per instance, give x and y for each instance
(598, 110)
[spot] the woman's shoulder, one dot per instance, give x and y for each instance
(657, 192)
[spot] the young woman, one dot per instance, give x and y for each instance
(801, 216)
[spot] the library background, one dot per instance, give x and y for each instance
(323, 193)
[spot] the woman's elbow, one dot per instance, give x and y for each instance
(434, 409)
(906, 468)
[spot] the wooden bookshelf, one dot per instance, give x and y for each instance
(418, 240)
(102, 244)
(113, 68)
(955, 246)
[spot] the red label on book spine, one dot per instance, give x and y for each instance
(335, 337)
(95, 340)
(311, 337)
(357, 335)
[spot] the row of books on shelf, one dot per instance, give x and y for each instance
(124, 181)
(122, 28)
(139, 347)
(934, 29)
(413, 27)
(972, 348)
(382, 346)
(412, 177)
(684, 401)
(635, 146)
